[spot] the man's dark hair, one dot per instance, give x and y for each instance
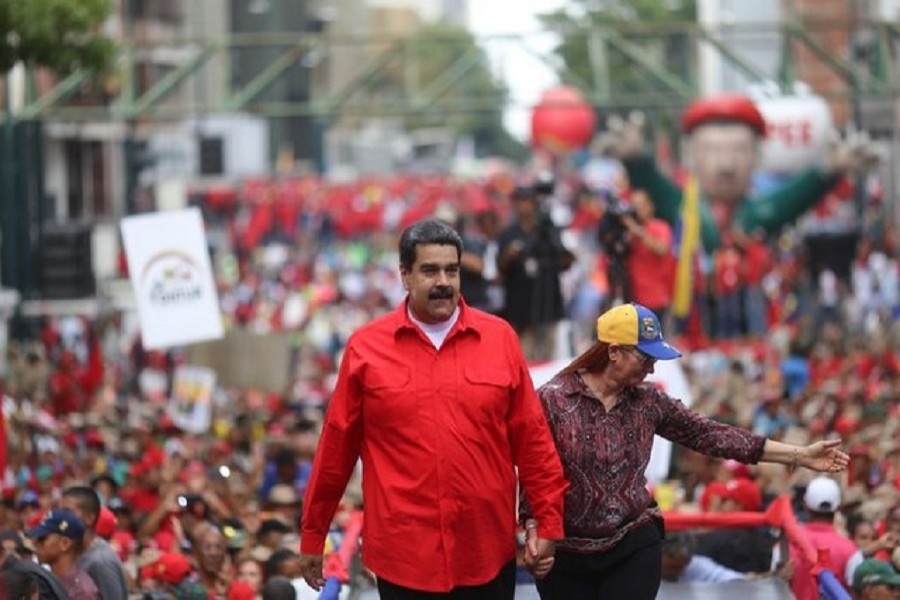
(18, 585)
(679, 543)
(279, 557)
(271, 526)
(429, 231)
(279, 588)
(87, 499)
(49, 587)
(285, 457)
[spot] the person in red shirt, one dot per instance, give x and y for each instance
(72, 386)
(822, 500)
(650, 263)
(757, 264)
(728, 271)
(436, 399)
(603, 418)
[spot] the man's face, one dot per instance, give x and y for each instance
(642, 205)
(879, 592)
(433, 282)
(723, 156)
(211, 551)
(50, 547)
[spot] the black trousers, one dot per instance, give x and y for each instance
(632, 569)
(501, 587)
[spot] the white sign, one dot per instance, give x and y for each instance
(191, 404)
(669, 376)
(168, 263)
(797, 130)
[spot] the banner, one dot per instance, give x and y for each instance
(191, 404)
(169, 267)
(269, 370)
(669, 376)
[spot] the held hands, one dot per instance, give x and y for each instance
(823, 456)
(539, 553)
(311, 570)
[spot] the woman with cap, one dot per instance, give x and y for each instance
(603, 418)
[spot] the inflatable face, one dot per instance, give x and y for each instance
(723, 156)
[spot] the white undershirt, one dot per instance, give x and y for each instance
(436, 332)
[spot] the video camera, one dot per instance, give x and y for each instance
(612, 233)
(544, 184)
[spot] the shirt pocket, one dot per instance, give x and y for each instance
(485, 393)
(388, 398)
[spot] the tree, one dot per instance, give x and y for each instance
(579, 17)
(61, 35)
(473, 103)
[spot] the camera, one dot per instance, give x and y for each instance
(190, 502)
(613, 234)
(544, 184)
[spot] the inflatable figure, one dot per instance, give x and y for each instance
(724, 134)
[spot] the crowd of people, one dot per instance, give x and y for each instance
(799, 356)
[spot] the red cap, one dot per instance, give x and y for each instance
(743, 491)
(241, 590)
(723, 107)
(712, 489)
(106, 523)
(94, 439)
(738, 470)
(170, 568)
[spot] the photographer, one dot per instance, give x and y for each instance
(615, 242)
(650, 263)
(531, 259)
(639, 250)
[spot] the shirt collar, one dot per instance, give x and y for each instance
(401, 321)
(573, 385)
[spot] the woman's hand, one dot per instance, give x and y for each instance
(824, 456)
(539, 553)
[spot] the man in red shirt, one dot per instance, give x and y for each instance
(823, 500)
(650, 263)
(436, 399)
(757, 264)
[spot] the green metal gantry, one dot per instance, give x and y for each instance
(359, 94)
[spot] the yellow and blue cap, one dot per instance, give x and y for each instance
(635, 325)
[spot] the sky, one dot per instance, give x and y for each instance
(525, 75)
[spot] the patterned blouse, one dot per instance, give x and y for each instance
(604, 454)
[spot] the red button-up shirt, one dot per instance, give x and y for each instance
(439, 433)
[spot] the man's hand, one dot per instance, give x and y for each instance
(311, 570)
(622, 139)
(856, 153)
(539, 553)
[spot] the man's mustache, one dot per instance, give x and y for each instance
(441, 293)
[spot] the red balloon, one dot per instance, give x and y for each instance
(562, 121)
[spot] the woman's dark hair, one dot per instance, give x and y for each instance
(429, 231)
(17, 585)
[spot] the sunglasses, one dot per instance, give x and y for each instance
(646, 359)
